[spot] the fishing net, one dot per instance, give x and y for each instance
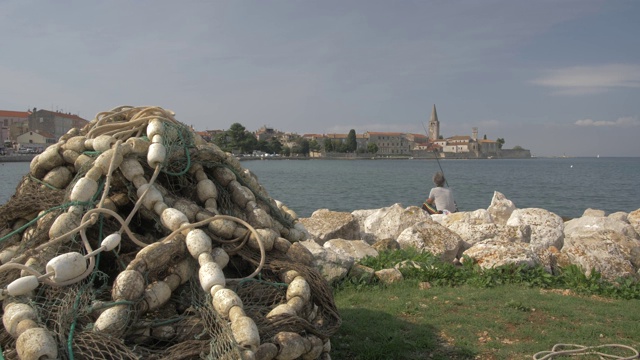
(160, 291)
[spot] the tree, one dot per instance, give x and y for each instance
(518, 147)
(274, 146)
(352, 143)
(314, 146)
(304, 147)
(222, 140)
(485, 136)
(500, 142)
(372, 148)
(240, 139)
(328, 145)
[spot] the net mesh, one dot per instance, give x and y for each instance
(186, 326)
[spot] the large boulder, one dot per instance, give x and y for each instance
(472, 226)
(634, 219)
(324, 225)
(357, 249)
(605, 251)
(547, 228)
(389, 276)
(428, 236)
(589, 224)
(493, 253)
(332, 266)
(389, 222)
(501, 208)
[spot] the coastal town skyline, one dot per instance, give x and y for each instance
(558, 78)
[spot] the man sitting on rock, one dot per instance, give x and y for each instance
(440, 200)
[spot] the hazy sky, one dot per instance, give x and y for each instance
(557, 77)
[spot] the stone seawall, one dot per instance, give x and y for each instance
(499, 235)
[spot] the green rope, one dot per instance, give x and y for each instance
(31, 177)
(185, 145)
(111, 304)
(63, 206)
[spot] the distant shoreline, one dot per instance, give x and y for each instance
(17, 158)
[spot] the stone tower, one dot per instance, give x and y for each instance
(434, 125)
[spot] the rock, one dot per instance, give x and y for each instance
(589, 224)
(362, 273)
(428, 236)
(389, 222)
(325, 225)
(492, 253)
(593, 212)
(386, 244)
(500, 208)
(547, 228)
(472, 234)
(300, 253)
(332, 266)
(361, 216)
(634, 219)
(357, 249)
(510, 233)
(602, 251)
(389, 276)
(620, 216)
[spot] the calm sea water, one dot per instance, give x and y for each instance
(565, 186)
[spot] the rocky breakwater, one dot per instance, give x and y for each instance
(502, 234)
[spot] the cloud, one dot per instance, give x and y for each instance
(589, 80)
(626, 121)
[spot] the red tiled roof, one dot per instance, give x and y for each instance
(459, 137)
(384, 133)
(14, 114)
(44, 134)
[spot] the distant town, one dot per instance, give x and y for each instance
(30, 132)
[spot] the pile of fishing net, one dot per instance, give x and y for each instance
(134, 238)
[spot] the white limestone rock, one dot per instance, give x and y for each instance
(362, 273)
(390, 222)
(332, 266)
(590, 224)
(634, 219)
(593, 212)
(389, 276)
(620, 216)
(324, 225)
(357, 249)
(428, 236)
(606, 251)
(493, 253)
(547, 228)
(500, 208)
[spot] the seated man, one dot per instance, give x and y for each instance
(440, 200)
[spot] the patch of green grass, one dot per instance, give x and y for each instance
(466, 312)
(404, 321)
(427, 267)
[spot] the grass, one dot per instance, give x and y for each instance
(509, 316)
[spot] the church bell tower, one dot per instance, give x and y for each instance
(434, 125)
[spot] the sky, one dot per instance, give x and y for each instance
(557, 77)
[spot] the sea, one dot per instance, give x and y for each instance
(565, 186)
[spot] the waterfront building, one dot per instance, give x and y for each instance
(36, 141)
(12, 124)
(389, 143)
(54, 122)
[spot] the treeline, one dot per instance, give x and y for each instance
(240, 141)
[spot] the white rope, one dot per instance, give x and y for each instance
(578, 350)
